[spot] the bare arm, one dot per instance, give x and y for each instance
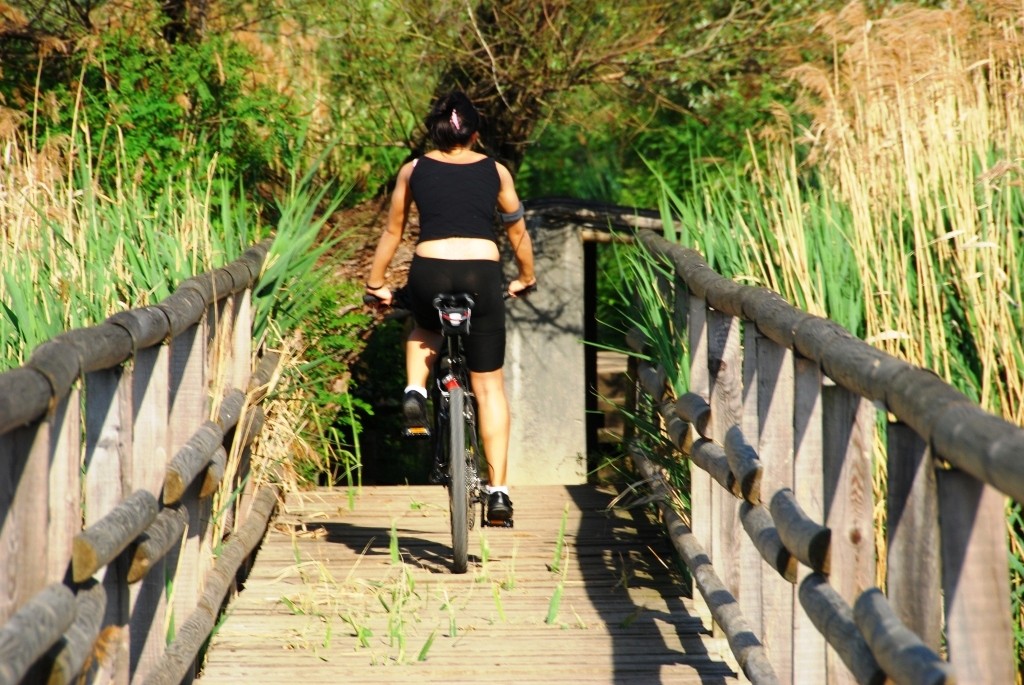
(391, 238)
(518, 236)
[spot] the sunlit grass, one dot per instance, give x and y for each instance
(75, 253)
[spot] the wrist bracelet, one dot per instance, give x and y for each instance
(370, 287)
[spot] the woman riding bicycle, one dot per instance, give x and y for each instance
(456, 191)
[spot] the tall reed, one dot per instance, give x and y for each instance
(74, 252)
(919, 130)
(903, 218)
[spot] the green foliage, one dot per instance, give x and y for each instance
(573, 161)
(151, 104)
(794, 239)
(333, 331)
(294, 270)
(1015, 557)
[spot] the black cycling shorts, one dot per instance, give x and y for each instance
(483, 280)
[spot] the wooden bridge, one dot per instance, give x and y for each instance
(579, 591)
(132, 516)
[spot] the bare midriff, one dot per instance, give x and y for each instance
(459, 249)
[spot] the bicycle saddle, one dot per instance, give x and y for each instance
(454, 310)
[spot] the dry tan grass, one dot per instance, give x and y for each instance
(920, 129)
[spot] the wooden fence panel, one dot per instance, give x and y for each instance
(108, 457)
(753, 568)
(65, 486)
(975, 578)
(150, 378)
(724, 362)
(86, 432)
(242, 374)
(913, 570)
(23, 512)
(775, 411)
(701, 484)
(828, 521)
(189, 408)
(848, 433)
(809, 647)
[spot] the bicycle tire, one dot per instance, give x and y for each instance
(458, 494)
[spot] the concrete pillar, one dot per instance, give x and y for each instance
(544, 363)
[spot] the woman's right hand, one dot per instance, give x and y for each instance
(519, 286)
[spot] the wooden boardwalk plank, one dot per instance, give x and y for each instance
(326, 602)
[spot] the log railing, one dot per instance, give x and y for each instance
(780, 424)
(126, 503)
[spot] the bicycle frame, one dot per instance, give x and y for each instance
(450, 372)
(456, 445)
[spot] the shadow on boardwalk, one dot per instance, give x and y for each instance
(366, 595)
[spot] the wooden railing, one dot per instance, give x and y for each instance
(780, 423)
(126, 503)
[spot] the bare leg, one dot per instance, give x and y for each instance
(420, 350)
(492, 405)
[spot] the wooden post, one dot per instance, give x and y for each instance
(809, 647)
(725, 367)
(241, 375)
(108, 440)
(149, 458)
(752, 566)
(775, 410)
(24, 482)
(914, 583)
(848, 432)
(189, 407)
(975, 579)
(701, 485)
(65, 493)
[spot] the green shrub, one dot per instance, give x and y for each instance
(150, 105)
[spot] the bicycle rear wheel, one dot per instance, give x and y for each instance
(458, 492)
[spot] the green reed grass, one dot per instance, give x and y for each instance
(558, 558)
(919, 132)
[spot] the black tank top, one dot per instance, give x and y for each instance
(455, 200)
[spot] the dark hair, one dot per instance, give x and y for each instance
(452, 121)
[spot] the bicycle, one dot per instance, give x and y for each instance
(456, 440)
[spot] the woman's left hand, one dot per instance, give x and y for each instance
(382, 293)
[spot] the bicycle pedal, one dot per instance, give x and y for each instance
(416, 432)
(498, 523)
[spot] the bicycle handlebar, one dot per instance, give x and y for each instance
(397, 295)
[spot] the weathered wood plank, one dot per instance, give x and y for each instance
(776, 411)
(725, 364)
(913, 569)
(975, 578)
(108, 436)
(809, 648)
(189, 408)
(743, 440)
(150, 400)
(700, 385)
(23, 511)
(848, 430)
(65, 500)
